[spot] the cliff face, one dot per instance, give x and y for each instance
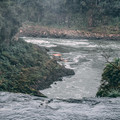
(27, 68)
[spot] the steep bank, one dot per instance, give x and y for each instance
(51, 32)
(27, 68)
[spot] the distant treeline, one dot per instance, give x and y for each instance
(78, 14)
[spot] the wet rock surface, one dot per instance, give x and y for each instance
(55, 75)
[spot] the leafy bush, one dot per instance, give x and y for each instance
(110, 83)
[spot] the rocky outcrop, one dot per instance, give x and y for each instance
(40, 31)
(55, 75)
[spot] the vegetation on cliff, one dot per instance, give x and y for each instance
(27, 68)
(24, 67)
(110, 83)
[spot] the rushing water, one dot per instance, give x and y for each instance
(74, 97)
(25, 107)
(85, 57)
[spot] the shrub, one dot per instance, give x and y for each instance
(21, 67)
(110, 83)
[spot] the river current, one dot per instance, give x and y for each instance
(74, 97)
(85, 58)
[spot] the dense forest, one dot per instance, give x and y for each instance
(76, 14)
(71, 13)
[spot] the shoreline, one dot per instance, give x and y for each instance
(51, 32)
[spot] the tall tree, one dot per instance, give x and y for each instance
(9, 22)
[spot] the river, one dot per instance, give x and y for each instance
(85, 58)
(74, 97)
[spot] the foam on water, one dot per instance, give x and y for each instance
(54, 42)
(76, 59)
(72, 43)
(37, 41)
(57, 109)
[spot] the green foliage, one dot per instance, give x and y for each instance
(114, 93)
(24, 67)
(79, 14)
(110, 83)
(9, 22)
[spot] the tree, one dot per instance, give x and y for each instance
(9, 22)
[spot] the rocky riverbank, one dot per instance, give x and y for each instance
(27, 68)
(50, 32)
